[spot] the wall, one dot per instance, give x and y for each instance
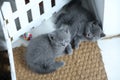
(111, 26)
(112, 17)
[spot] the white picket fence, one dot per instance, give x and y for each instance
(25, 15)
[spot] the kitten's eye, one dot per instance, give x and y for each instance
(52, 37)
(88, 35)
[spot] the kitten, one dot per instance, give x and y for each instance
(80, 22)
(43, 49)
(91, 32)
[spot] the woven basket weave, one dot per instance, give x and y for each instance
(85, 64)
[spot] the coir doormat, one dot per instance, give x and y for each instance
(84, 64)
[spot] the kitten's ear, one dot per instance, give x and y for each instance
(102, 35)
(96, 22)
(51, 36)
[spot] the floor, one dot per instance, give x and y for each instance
(4, 66)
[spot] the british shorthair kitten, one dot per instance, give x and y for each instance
(81, 23)
(42, 51)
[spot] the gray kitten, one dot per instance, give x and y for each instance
(91, 32)
(43, 49)
(82, 24)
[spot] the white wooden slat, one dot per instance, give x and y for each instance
(23, 19)
(9, 48)
(7, 12)
(35, 12)
(111, 20)
(59, 5)
(21, 11)
(36, 2)
(47, 9)
(22, 14)
(20, 4)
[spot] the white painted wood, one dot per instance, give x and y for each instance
(110, 48)
(21, 13)
(111, 17)
(9, 48)
(10, 30)
(7, 13)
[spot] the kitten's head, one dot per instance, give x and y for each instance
(60, 37)
(93, 31)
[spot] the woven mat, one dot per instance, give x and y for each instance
(85, 64)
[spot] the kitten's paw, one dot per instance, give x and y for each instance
(60, 64)
(70, 51)
(76, 47)
(76, 43)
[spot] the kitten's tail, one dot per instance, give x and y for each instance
(45, 68)
(41, 69)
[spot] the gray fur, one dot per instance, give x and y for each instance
(43, 49)
(80, 22)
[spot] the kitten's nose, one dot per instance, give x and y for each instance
(102, 35)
